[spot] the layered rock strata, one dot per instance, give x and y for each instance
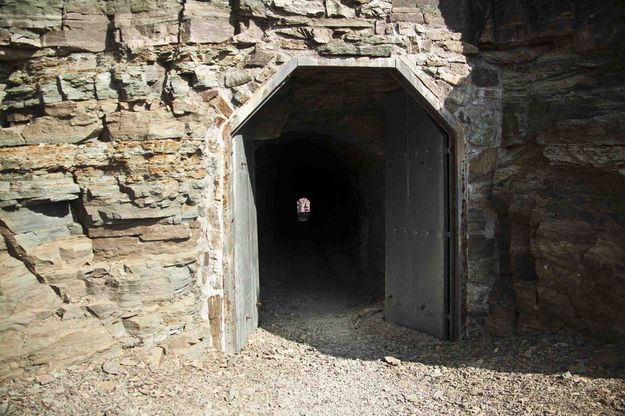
(114, 156)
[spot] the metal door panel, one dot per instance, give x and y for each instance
(252, 304)
(416, 217)
(244, 306)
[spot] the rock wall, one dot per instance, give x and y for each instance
(103, 174)
(114, 156)
(558, 183)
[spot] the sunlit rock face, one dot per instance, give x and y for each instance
(114, 156)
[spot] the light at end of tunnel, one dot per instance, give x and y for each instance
(303, 209)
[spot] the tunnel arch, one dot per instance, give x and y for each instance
(408, 77)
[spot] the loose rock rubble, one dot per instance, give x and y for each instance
(322, 352)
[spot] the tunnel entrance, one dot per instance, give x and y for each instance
(323, 267)
(305, 166)
(372, 169)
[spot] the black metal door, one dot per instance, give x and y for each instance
(417, 227)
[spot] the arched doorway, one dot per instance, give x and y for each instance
(420, 201)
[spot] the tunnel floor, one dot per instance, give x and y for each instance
(302, 300)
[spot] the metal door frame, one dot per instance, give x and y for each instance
(409, 77)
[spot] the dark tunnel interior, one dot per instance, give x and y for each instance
(328, 241)
(303, 168)
(320, 137)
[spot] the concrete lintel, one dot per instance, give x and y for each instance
(312, 61)
(252, 105)
(409, 78)
(409, 72)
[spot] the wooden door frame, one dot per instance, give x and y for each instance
(410, 78)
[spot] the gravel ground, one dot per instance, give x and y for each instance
(323, 351)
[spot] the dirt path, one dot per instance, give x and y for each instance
(321, 351)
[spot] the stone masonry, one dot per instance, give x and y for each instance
(114, 157)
